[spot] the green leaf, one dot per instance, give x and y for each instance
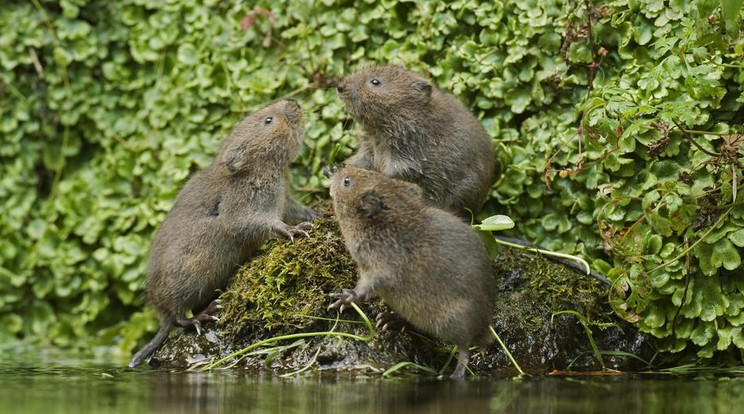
(737, 237)
(730, 10)
(187, 54)
(724, 253)
(495, 223)
(488, 241)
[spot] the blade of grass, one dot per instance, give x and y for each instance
(587, 329)
(300, 335)
(506, 351)
(403, 364)
(317, 351)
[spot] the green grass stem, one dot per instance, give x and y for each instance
(297, 336)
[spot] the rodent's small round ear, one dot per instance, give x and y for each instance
(371, 204)
(234, 159)
(423, 87)
(414, 190)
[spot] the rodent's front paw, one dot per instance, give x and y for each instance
(345, 299)
(289, 232)
(305, 225)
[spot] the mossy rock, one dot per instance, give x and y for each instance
(284, 290)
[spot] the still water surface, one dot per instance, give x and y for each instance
(47, 384)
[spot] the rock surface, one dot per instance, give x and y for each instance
(284, 291)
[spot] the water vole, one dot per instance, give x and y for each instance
(221, 216)
(413, 131)
(425, 263)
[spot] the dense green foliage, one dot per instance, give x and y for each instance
(596, 111)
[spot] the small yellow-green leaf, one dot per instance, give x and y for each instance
(495, 223)
(187, 54)
(737, 238)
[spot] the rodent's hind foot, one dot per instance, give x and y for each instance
(463, 357)
(206, 316)
(345, 299)
(186, 322)
(213, 307)
(390, 321)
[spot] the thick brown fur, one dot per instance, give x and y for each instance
(425, 263)
(413, 131)
(222, 215)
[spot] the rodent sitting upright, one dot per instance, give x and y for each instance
(413, 131)
(425, 263)
(221, 216)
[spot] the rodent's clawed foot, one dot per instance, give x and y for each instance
(206, 316)
(213, 307)
(390, 321)
(305, 225)
(345, 299)
(195, 322)
(289, 232)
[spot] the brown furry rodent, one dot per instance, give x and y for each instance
(425, 263)
(413, 131)
(221, 216)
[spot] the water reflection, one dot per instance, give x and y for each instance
(79, 386)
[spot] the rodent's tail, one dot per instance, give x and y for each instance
(148, 350)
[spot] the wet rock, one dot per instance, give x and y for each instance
(284, 291)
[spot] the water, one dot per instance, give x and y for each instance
(53, 383)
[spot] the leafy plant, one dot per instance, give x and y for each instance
(617, 126)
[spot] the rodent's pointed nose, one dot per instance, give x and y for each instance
(292, 104)
(340, 88)
(328, 170)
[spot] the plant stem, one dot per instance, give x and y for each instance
(300, 335)
(506, 351)
(548, 253)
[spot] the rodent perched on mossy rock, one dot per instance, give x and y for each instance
(425, 263)
(413, 131)
(284, 290)
(221, 216)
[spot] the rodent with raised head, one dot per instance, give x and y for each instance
(413, 131)
(425, 263)
(221, 216)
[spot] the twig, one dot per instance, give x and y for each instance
(692, 141)
(720, 219)
(684, 295)
(37, 64)
(574, 262)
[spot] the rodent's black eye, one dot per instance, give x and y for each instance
(375, 82)
(268, 120)
(347, 182)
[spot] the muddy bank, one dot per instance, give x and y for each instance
(284, 291)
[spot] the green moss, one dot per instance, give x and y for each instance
(285, 288)
(530, 290)
(276, 291)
